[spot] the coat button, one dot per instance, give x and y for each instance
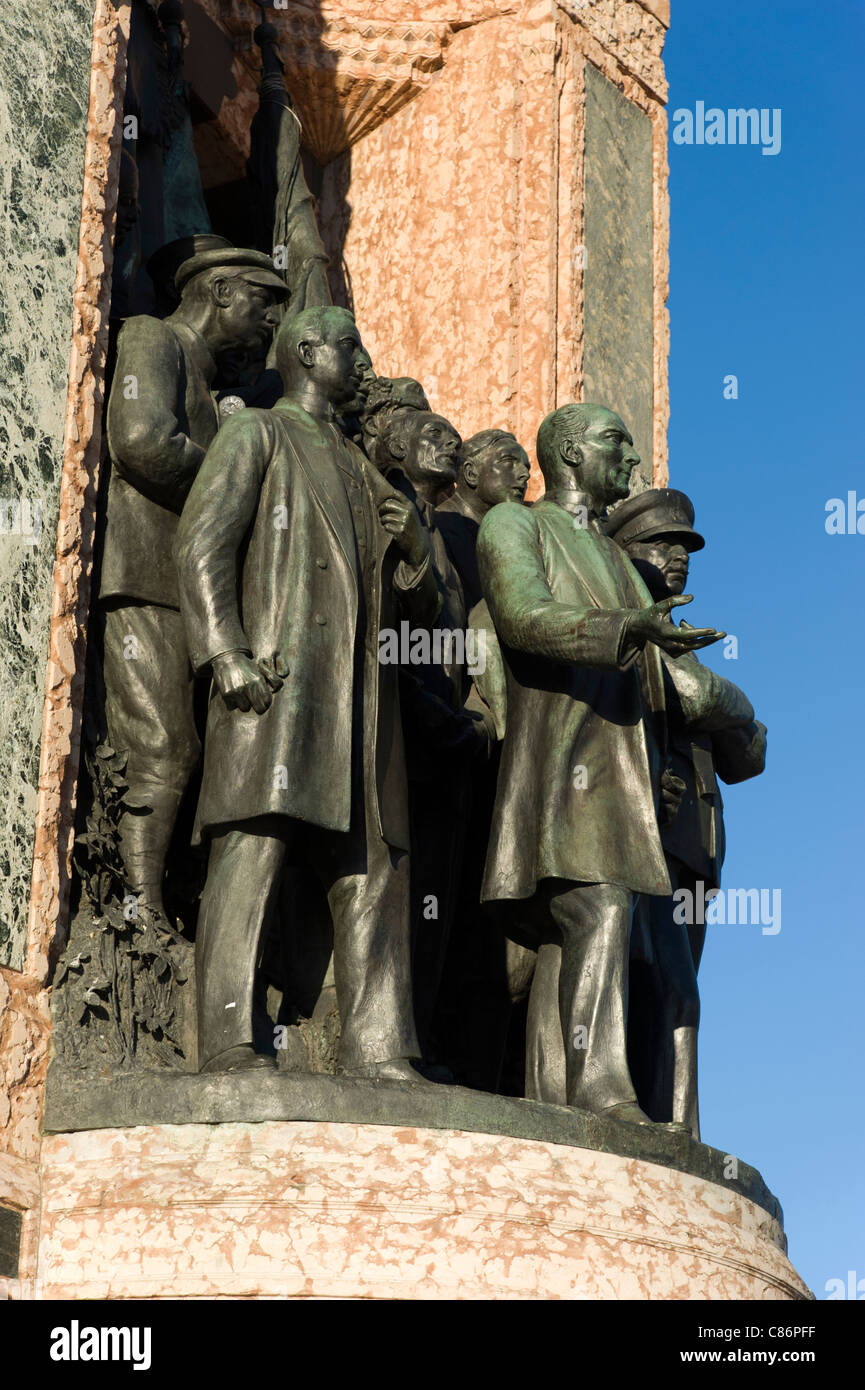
(320, 619)
(322, 564)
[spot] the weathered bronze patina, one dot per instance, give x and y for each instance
(711, 733)
(292, 554)
(575, 833)
(161, 419)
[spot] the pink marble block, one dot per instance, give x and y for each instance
(316, 1210)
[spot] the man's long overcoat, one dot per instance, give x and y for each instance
(268, 563)
(583, 749)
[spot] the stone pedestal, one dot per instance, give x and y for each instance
(251, 1186)
(317, 1210)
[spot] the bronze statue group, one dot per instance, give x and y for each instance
(476, 858)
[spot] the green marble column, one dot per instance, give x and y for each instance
(45, 55)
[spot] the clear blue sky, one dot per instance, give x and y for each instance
(767, 284)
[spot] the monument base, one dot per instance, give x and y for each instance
(358, 1207)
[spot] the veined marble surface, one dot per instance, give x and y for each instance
(45, 51)
(331, 1211)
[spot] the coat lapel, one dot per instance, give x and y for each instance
(316, 461)
(380, 490)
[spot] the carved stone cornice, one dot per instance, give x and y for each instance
(346, 73)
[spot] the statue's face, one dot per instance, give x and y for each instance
(432, 452)
(500, 473)
(358, 402)
(250, 314)
(662, 564)
(340, 362)
(368, 376)
(605, 458)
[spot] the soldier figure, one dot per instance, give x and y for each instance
(711, 728)
(161, 418)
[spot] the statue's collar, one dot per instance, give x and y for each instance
(197, 348)
(462, 503)
(572, 500)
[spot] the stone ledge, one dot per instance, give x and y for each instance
(86, 1102)
(315, 1209)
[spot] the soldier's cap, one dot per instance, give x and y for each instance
(164, 263)
(658, 512)
(239, 261)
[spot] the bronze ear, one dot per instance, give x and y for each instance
(221, 290)
(570, 450)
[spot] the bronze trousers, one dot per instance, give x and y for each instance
(367, 887)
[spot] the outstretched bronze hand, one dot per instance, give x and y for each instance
(656, 625)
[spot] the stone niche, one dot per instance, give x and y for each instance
(490, 179)
(482, 219)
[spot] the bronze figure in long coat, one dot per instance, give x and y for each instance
(293, 553)
(575, 833)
